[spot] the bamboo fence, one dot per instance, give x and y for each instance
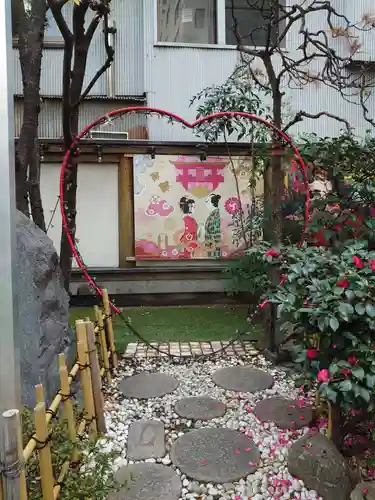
(96, 356)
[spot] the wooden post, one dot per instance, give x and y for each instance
(44, 451)
(13, 481)
(103, 343)
(87, 388)
(109, 325)
(67, 401)
(126, 212)
(96, 379)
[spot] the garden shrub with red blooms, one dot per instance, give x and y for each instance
(331, 293)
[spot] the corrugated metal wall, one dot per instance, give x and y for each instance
(50, 117)
(173, 75)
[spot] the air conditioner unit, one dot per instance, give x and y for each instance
(108, 135)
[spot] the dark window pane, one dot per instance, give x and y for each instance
(192, 21)
(252, 24)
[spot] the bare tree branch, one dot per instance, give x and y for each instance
(303, 114)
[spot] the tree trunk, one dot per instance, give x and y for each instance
(36, 205)
(31, 36)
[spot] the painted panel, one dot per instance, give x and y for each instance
(97, 217)
(185, 208)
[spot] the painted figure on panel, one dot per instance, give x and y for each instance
(212, 227)
(190, 235)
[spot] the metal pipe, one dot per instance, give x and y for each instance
(110, 70)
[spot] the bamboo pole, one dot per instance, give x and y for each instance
(96, 379)
(66, 398)
(31, 445)
(44, 451)
(111, 338)
(103, 343)
(14, 480)
(88, 400)
(39, 393)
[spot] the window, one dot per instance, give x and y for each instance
(253, 19)
(192, 21)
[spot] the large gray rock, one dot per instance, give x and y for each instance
(43, 311)
(364, 491)
(316, 461)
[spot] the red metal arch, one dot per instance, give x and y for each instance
(179, 119)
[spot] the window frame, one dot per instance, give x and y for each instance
(220, 32)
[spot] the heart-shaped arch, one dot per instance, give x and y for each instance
(176, 118)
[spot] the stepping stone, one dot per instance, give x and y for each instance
(242, 379)
(200, 408)
(146, 440)
(147, 482)
(316, 461)
(215, 455)
(148, 385)
(285, 413)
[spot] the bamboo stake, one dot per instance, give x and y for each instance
(96, 379)
(44, 451)
(103, 343)
(111, 338)
(87, 389)
(66, 398)
(39, 394)
(14, 481)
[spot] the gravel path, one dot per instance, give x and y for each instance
(271, 480)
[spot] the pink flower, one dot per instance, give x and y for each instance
(323, 376)
(353, 360)
(372, 211)
(272, 253)
(372, 264)
(357, 262)
(311, 354)
(346, 372)
(344, 283)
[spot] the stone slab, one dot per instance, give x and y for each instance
(148, 385)
(242, 379)
(200, 408)
(215, 455)
(146, 440)
(316, 460)
(147, 482)
(285, 413)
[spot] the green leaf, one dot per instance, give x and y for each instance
(345, 386)
(370, 381)
(333, 368)
(349, 294)
(334, 324)
(358, 372)
(360, 309)
(364, 393)
(370, 310)
(331, 394)
(346, 309)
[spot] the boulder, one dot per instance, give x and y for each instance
(43, 306)
(363, 491)
(316, 461)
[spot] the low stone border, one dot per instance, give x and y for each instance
(188, 349)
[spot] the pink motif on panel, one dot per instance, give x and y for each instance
(233, 205)
(199, 177)
(157, 206)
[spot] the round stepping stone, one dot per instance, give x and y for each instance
(285, 413)
(147, 482)
(242, 379)
(148, 385)
(200, 408)
(215, 455)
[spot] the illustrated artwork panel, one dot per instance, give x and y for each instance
(186, 208)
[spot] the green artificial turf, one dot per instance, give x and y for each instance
(178, 324)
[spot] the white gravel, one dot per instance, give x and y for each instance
(272, 479)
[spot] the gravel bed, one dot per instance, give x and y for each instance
(272, 479)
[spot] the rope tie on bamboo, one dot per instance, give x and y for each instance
(40, 445)
(12, 470)
(52, 413)
(59, 483)
(83, 366)
(107, 316)
(65, 397)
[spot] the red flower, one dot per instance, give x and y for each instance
(353, 360)
(372, 264)
(344, 283)
(311, 354)
(272, 253)
(346, 372)
(323, 376)
(357, 262)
